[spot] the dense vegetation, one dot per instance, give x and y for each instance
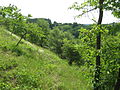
(72, 42)
(29, 67)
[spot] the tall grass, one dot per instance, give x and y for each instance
(29, 67)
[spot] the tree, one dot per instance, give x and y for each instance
(14, 20)
(45, 25)
(34, 33)
(98, 47)
(114, 6)
(71, 51)
(55, 40)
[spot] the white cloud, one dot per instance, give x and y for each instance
(56, 10)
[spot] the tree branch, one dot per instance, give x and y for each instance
(87, 12)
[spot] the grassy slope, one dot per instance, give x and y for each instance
(29, 67)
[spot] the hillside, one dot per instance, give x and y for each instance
(29, 67)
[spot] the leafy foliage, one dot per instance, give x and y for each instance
(71, 41)
(86, 7)
(56, 40)
(31, 67)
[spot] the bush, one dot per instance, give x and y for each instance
(72, 53)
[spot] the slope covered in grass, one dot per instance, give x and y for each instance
(29, 67)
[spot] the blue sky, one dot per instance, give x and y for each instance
(56, 10)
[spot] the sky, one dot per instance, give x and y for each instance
(56, 10)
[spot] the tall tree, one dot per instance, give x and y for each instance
(88, 6)
(98, 46)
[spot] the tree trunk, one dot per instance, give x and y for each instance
(117, 85)
(21, 39)
(98, 46)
